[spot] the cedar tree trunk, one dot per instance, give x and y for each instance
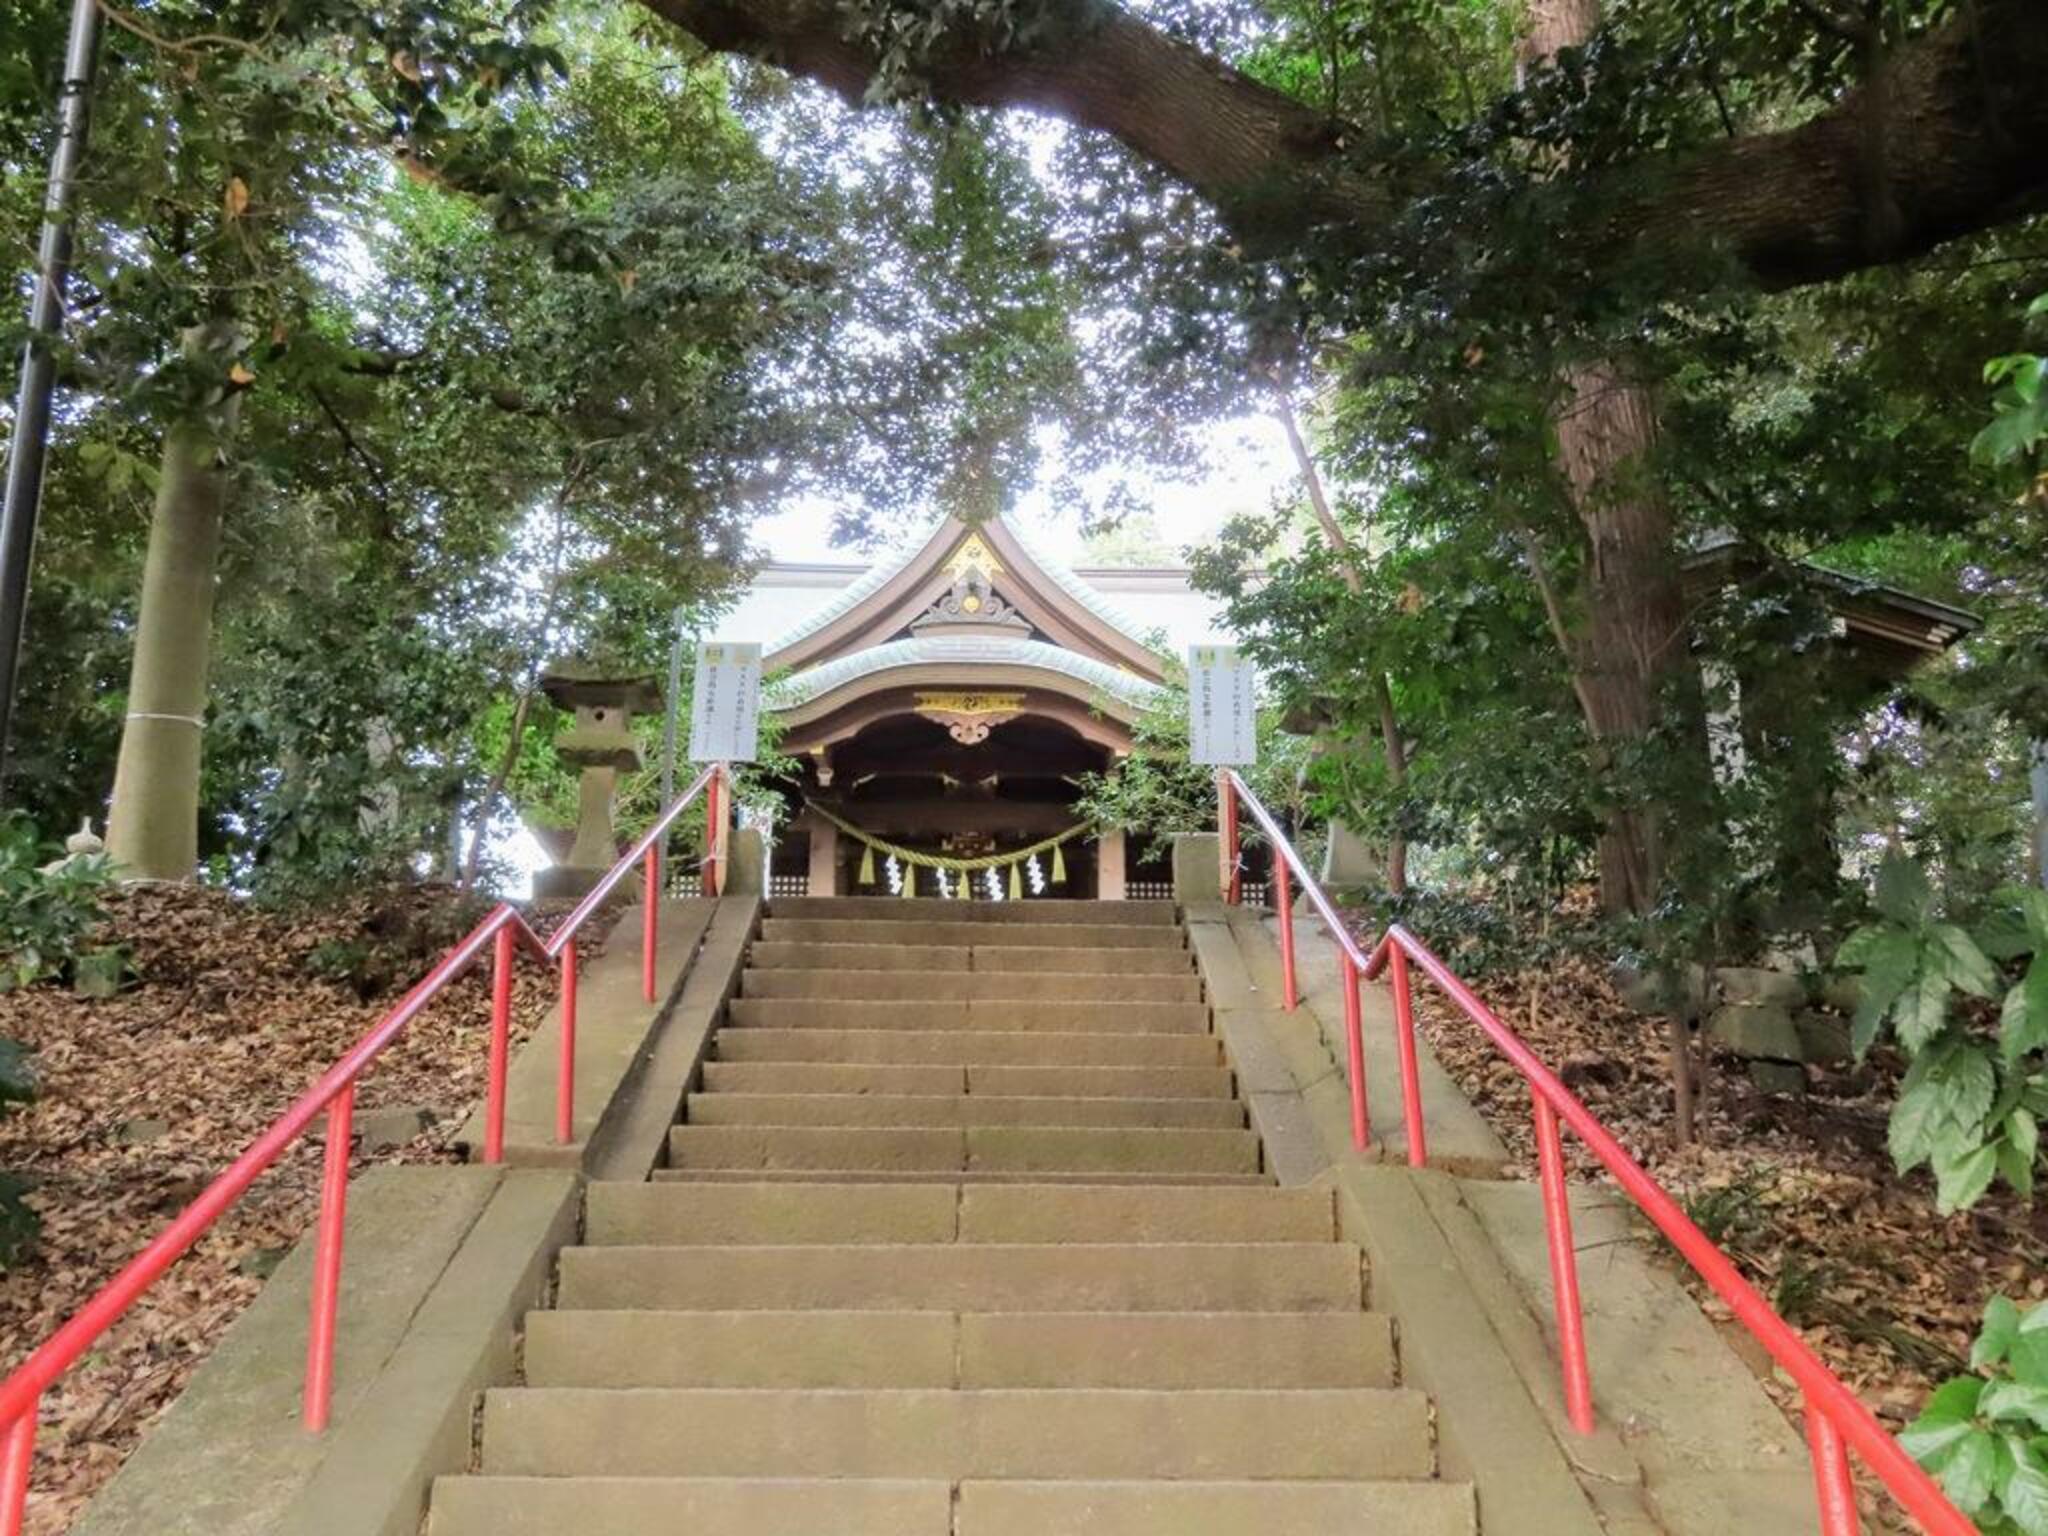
(153, 825)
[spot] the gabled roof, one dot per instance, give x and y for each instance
(879, 607)
(965, 650)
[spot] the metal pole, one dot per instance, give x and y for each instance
(24, 493)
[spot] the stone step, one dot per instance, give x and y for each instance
(970, 1047)
(961, 986)
(931, 959)
(998, 1149)
(997, 914)
(1039, 1176)
(907, 1110)
(668, 1432)
(817, 1213)
(951, 931)
(658, 1506)
(977, 1277)
(1124, 1350)
(1213, 1509)
(1162, 1082)
(655, 1506)
(1056, 1016)
(998, 1082)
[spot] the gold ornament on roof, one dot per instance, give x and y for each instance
(972, 554)
(969, 717)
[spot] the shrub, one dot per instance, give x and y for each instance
(47, 921)
(1985, 1435)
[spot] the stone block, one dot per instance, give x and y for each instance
(1759, 1031)
(1658, 993)
(1756, 984)
(1197, 867)
(746, 863)
(1778, 1076)
(1823, 1037)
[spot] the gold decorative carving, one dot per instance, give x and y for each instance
(972, 554)
(969, 717)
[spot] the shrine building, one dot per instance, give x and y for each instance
(948, 701)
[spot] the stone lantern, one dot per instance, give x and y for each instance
(601, 744)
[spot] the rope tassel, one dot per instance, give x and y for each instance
(1016, 882)
(867, 866)
(1059, 865)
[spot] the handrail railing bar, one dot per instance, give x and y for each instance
(1835, 1415)
(1310, 888)
(594, 897)
(24, 1386)
(1852, 1420)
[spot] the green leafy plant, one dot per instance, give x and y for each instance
(1985, 1435)
(47, 920)
(1970, 1104)
(2021, 405)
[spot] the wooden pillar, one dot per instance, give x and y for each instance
(1109, 866)
(824, 878)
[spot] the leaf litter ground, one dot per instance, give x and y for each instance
(145, 1096)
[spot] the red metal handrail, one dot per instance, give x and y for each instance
(504, 929)
(1836, 1419)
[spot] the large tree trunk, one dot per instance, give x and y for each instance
(153, 826)
(1631, 642)
(1632, 603)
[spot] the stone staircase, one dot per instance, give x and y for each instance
(965, 1234)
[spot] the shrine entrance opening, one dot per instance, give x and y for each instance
(971, 783)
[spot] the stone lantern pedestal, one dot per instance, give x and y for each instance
(601, 744)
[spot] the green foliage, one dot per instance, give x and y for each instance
(1985, 1435)
(1155, 792)
(1974, 1091)
(2020, 422)
(47, 921)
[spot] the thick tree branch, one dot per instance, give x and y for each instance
(1239, 143)
(1963, 107)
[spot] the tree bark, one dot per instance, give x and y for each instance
(153, 825)
(1959, 111)
(1631, 644)
(1395, 749)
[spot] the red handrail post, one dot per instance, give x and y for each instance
(714, 832)
(1226, 825)
(502, 952)
(1833, 1485)
(650, 910)
(1411, 1070)
(17, 1461)
(1283, 907)
(1354, 1048)
(319, 1392)
(1564, 1268)
(565, 1070)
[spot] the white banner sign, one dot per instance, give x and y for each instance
(725, 703)
(1221, 705)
